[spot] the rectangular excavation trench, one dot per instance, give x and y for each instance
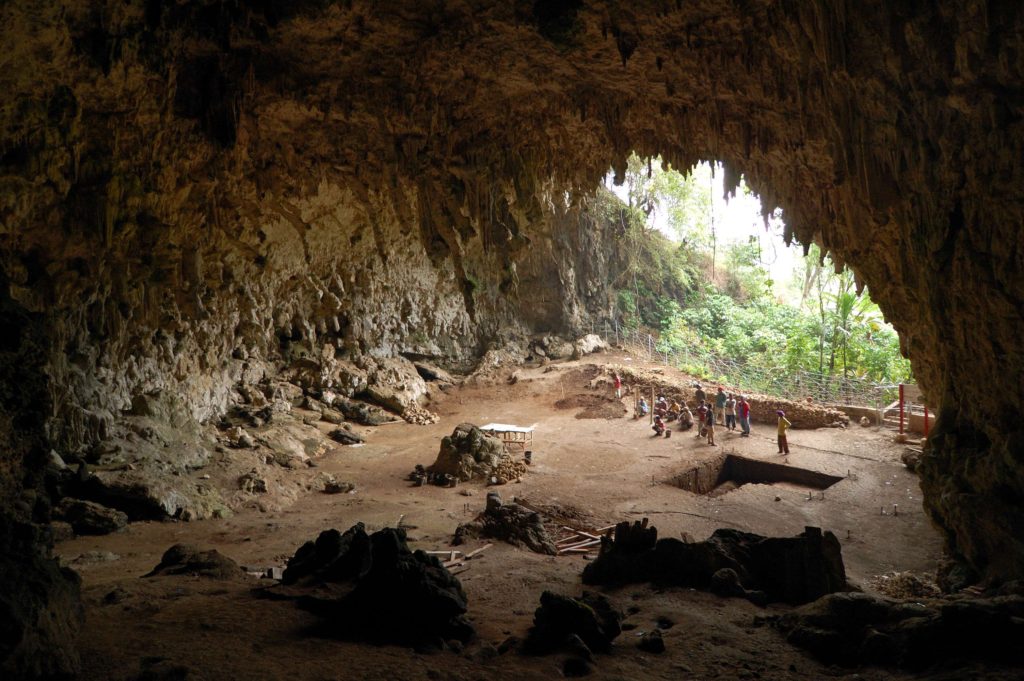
(727, 472)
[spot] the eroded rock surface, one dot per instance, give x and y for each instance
(467, 453)
(788, 569)
(373, 587)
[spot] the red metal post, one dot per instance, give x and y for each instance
(926, 421)
(901, 408)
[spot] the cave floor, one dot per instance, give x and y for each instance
(600, 470)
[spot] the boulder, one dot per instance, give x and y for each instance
(587, 345)
(186, 559)
(364, 414)
(560, 620)
(393, 383)
(88, 517)
(346, 437)
(789, 569)
(511, 523)
(911, 458)
(652, 642)
(468, 453)
(851, 629)
(372, 587)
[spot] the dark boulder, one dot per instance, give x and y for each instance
(652, 642)
(372, 587)
(185, 559)
(88, 517)
(789, 569)
(511, 523)
(346, 437)
(560, 620)
(850, 629)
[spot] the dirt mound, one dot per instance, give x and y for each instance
(594, 406)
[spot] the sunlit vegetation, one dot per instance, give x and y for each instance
(716, 299)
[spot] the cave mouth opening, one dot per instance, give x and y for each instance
(728, 472)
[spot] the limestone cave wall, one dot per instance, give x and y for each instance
(191, 189)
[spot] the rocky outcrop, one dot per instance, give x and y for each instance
(467, 453)
(185, 559)
(510, 522)
(732, 563)
(854, 629)
(40, 607)
(372, 587)
(563, 622)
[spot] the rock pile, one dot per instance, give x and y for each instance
(468, 453)
(764, 569)
(420, 416)
(856, 628)
(373, 587)
(581, 626)
(511, 523)
(506, 470)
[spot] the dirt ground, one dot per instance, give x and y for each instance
(604, 469)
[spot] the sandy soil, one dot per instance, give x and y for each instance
(604, 469)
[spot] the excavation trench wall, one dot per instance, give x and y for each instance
(709, 476)
(191, 193)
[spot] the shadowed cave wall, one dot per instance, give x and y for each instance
(188, 188)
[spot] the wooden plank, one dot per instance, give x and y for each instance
(452, 563)
(476, 552)
(579, 550)
(604, 529)
(575, 547)
(568, 540)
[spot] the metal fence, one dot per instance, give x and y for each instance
(793, 385)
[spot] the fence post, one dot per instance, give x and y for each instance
(901, 408)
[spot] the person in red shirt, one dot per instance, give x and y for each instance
(618, 386)
(743, 411)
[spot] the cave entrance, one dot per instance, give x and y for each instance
(725, 473)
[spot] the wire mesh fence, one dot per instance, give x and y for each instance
(794, 385)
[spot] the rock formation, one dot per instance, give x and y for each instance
(199, 194)
(372, 587)
(730, 563)
(467, 453)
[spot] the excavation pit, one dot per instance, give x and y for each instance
(729, 471)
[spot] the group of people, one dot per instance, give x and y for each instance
(725, 409)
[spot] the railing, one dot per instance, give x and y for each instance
(793, 385)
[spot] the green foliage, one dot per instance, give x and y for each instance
(666, 287)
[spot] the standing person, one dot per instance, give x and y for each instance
(730, 413)
(618, 386)
(702, 417)
(784, 425)
(720, 405)
(710, 423)
(699, 394)
(744, 413)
